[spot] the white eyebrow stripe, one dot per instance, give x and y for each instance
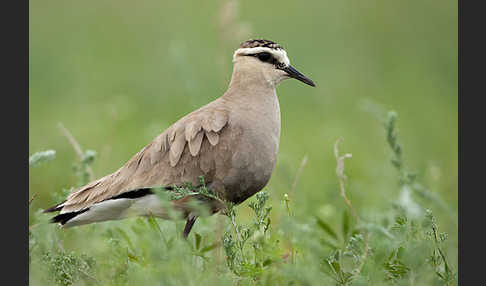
(279, 54)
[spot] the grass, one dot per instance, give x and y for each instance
(402, 246)
(116, 75)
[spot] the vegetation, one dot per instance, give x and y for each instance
(116, 75)
(402, 247)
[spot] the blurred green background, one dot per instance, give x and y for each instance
(118, 73)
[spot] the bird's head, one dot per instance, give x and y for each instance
(267, 59)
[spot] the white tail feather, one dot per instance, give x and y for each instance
(120, 209)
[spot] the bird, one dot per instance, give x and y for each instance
(231, 142)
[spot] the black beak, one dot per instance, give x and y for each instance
(292, 72)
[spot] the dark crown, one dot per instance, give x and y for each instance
(260, 43)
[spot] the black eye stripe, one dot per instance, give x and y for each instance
(264, 57)
(267, 57)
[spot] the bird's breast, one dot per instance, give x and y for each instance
(254, 155)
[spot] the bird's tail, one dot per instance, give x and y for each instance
(112, 209)
(130, 205)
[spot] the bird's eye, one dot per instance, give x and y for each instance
(264, 56)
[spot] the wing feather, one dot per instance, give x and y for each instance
(219, 120)
(158, 160)
(176, 148)
(213, 137)
(195, 144)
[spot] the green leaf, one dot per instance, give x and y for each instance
(345, 224)
(197, 240)
(153, 224)
(267, 262)
(41, 157)
(89, 156)
(328, 243)
(335, 266)
(125, 237)
(133, 257)
(209, 247)
(324, 226)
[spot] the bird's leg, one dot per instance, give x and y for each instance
(191, 219)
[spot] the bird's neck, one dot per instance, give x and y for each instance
(249, 84)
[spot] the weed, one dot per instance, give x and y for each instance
(400, 245)
(40, 157)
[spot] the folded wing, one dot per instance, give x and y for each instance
(174, 157)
